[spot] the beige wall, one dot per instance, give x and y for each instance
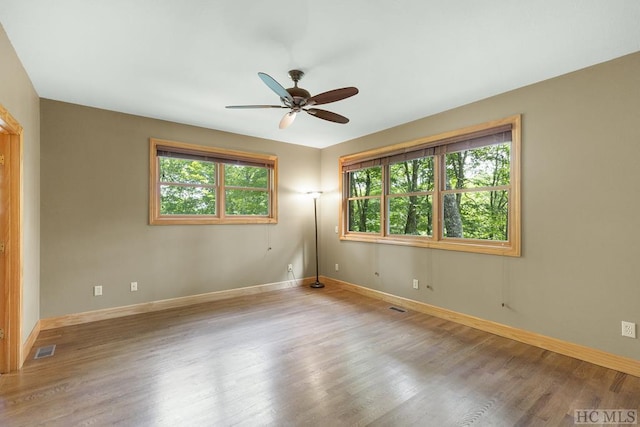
(95, 230)
(578, 274)
(19, 97)
(575, 281)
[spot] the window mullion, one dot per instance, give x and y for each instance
(436, 206)
(233, 187)
(185, 184)
(344, 200)
(220, 190)
(157, 189)
(477, 189)
(269, 190)
(384, 202)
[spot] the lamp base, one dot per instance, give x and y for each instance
(316, 284)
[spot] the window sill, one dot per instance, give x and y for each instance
(189, 220)
(460, 245)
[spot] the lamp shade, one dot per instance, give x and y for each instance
(287, 120)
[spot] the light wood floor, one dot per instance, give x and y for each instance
(300, 357)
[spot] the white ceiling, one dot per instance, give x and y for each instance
(184, 60)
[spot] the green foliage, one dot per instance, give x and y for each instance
(246, 176)
(485, 215)
(189, 188)
(366, 182)
(179, 200)
(401, 210)
(246, 190)
(478, 214)
(473, 208)
(411, 214)
(175, 170)
(246, 202)
(479, 167)
(411, 176)
(364, 214)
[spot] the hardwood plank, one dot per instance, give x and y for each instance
(592, 355)
(146, 307)
(300, 356)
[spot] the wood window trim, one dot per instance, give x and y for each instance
(11, 284)
(512, 247)
(220, 154)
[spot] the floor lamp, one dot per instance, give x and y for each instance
(316, 195)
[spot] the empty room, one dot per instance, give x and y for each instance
(416, 213)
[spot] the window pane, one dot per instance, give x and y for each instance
(246, 176)
(365, 182)
(185, 200)
(246, 202)
(187, 171)
(410, 215)
(411, 176)
(477, 215)
(364, 215)
(480, 167)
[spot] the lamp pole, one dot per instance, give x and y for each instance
(316, 196)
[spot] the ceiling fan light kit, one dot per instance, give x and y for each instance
(287, 119)
(297, 99)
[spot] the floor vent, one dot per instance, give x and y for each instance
(401, 310)
(45, 351)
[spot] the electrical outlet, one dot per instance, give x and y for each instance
(97, 291)
(290, 267)
(415, 283)
(628, 329)
(134, 286)
(337, 267)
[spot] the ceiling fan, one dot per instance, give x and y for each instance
(298, 99)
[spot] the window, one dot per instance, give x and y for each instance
(192, 184)
(457, 191)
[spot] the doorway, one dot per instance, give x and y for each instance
(10, 243)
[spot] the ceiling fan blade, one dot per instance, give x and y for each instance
(275, 86)
(332, 96)
(255, 106)
(287, 119)
(327, 115)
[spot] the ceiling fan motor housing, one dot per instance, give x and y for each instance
(298, 92)
(299, 95)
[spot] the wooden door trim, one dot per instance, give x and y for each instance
(12, 297)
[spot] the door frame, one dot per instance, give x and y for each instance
(11, 134)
